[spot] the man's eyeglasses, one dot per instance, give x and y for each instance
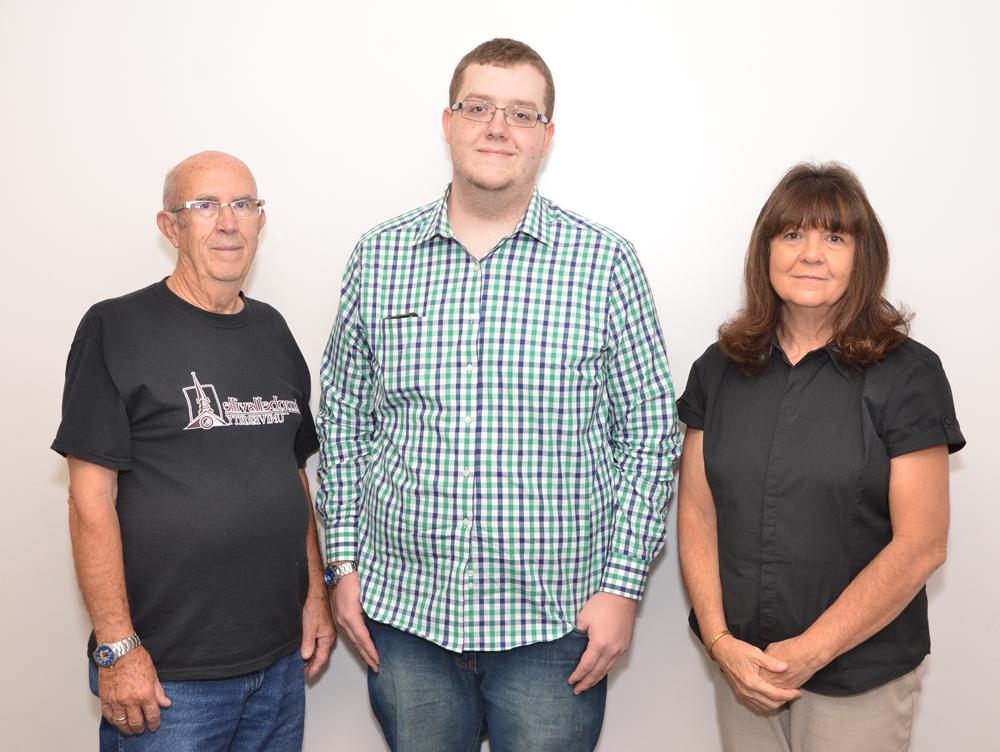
(243, 208)
(513, 114)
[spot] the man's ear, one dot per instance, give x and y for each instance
(167, 223)
(550, 131)
(446, 124)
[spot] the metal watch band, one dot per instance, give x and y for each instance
(333, 575)
(122, 647)
(109, 653)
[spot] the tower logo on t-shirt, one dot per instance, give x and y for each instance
(209, 410)
(206, 410)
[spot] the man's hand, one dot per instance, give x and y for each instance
(318, 634)
(131, 695)
(345, 598)
(608, 620)
(800, 660)
(748, 670)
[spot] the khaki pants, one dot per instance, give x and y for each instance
(878, 720)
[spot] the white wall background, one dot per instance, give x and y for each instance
(336, 108)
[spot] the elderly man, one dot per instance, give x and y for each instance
(186, 425)
(497, 441)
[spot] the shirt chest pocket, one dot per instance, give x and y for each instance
(404, 355)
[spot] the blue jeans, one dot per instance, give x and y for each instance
(428, 699)
(263, 710)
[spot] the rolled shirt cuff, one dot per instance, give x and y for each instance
(341, 544)
(625, 576)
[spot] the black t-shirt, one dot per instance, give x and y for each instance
(206, 417)
(797, 460)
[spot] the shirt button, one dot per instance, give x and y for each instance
(466, 523)
(468, 419)
(467, 472)
(469, 368)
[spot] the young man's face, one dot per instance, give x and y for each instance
(495, 156)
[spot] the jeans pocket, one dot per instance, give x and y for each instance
(92, 678)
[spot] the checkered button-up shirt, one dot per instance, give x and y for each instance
(497, 436)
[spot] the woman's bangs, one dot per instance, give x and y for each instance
(816, 204)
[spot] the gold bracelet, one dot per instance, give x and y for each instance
(711, 645)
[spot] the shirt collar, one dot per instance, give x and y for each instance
(842, 369)
(831, 353)
(438, 224)
(535, 222)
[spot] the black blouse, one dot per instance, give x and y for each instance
(797, 460)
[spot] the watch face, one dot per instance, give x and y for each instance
(327, 577)
(104, 656)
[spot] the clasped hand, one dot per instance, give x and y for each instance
(752, 672)
(767, 679)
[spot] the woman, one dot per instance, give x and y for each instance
(814, 484)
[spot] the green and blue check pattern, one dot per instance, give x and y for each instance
(498, 436)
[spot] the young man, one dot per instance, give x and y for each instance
(186, 424)
(497, 440)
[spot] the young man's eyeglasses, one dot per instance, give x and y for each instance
(513, 114)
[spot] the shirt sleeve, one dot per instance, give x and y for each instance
(643, 423)
(691, 405)
(95, 424)
(306, 442)
(346, 420)
(920, 411)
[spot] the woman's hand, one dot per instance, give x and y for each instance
(747, 667)
(800, 660)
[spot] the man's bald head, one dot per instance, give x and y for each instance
(174, 183)
(215, 249)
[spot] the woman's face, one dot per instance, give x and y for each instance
(810, 269)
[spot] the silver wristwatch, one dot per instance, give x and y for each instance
(333, 575)
(108, 654)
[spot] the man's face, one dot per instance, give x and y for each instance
(219, 249)
(495, 156)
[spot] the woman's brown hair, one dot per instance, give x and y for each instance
(865, 326)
